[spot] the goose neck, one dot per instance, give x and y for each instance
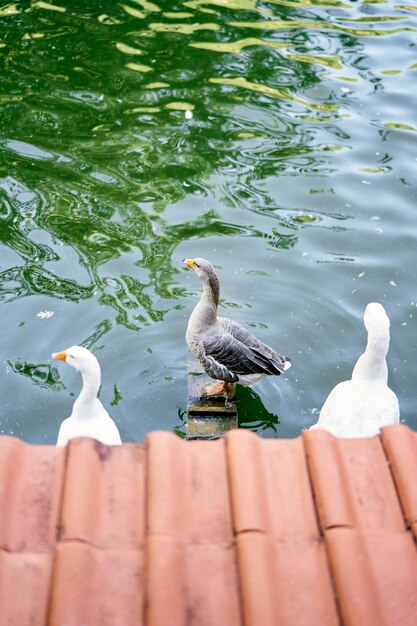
(211, 290)
(372, 363)
(377, 344)
(88, 395)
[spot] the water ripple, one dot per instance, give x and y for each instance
(46, 376)
(276, 92)
(276, 138)
(277, 25)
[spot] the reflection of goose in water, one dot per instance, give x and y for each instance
(359, 407)
(226, 350)
(88, 418)
(253, 411)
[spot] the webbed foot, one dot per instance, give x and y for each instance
(216, 389)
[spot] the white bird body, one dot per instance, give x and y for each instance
(359, 407)
(89, 418)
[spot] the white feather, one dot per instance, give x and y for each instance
(359, 407)
(89, 418)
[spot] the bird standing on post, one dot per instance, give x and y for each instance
(227, 351)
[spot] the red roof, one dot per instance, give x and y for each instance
(238, 531)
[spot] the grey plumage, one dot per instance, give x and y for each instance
(225, 349)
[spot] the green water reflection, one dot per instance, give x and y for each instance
(275, 138)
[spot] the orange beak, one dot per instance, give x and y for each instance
(61, 356)
(189, 262)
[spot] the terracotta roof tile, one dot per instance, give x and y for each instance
(375, 577)
(31, 482)
(270, 486)
(352, 483)
(104, 494)
(96, 587)
(191, 561)
(24, 588)
(256, 565)
(188, 495)
(240, 531)
(213, 585)
(278, 537)
(165, 581)
(191, 583)
(372, 557)
(285, 582)
(400, 444)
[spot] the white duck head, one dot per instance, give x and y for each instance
(372, 364)
(86, 363)
(375, 318)
(79, 358)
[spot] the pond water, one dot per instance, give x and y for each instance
(277, 139)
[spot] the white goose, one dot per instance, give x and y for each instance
(88, 418)
(359, 407)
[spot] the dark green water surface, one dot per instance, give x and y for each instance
(277, 139)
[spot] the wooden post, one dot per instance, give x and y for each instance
(209, 417)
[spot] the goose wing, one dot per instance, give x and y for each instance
(232, 348)
(275, 360)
